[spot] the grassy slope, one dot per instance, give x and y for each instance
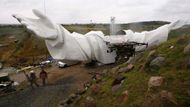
(176, 77)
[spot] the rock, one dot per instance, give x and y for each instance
(95, 89)
(150, 57)
(123, 98)
(126, 69)
(155, 81)
(130, 67)
(187, 49)
(118, 80)
(171, 47)
(98, 78)
(158, 61)
(116, 87)
(90, 102)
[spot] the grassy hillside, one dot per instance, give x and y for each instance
(174, 71)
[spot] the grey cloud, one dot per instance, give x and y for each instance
(100, 11)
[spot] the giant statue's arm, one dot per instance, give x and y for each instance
(64, 45)
(43, 27)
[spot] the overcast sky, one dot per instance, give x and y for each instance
(99, 11)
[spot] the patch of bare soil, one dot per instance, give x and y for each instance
(61, 83)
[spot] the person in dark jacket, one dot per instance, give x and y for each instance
(33, 79)
(43, 76)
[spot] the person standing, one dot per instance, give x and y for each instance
(33, 79)
(43, 76)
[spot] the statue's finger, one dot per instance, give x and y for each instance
(39, 14)
(21, 18)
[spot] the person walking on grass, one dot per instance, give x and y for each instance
(43, 76)
(33, 79)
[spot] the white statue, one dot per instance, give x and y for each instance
(63, 45)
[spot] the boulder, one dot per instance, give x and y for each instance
(118, 80)
(123, 98)
(187, 49)
(152, 54)
(155, 81)
(156, 63)
(95, 89)
(90, 102)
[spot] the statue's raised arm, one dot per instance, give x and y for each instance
(42, 27)
(63, 45)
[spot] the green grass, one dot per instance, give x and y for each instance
(4, 31)
(176, 77)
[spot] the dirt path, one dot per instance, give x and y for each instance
(61, 83)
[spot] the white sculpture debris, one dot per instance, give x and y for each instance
(70, 47)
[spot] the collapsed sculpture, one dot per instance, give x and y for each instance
(71, 47)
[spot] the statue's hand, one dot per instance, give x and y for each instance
(42, 27)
